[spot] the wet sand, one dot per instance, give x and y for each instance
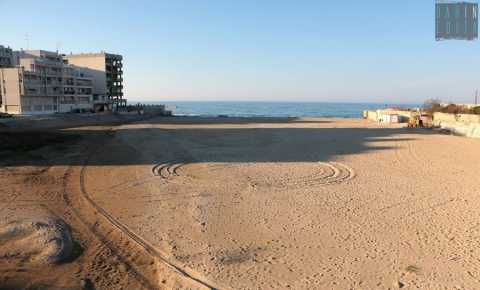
(271, 204)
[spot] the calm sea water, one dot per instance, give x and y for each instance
(270, 109)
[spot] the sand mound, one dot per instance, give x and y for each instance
(36, 240)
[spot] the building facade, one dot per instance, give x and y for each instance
(43, 83)
(6, 56)
(107, 72)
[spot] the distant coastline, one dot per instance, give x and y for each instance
(275, 109)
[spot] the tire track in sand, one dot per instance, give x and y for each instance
(149, 248)
(107, 243)
(323, 173)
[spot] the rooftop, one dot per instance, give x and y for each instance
(94, 54)
(39, 52)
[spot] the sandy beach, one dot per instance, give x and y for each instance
(257, 203)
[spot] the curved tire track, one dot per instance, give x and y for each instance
(326, 173)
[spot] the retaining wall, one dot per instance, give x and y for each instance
(461, 124)
(60, 121)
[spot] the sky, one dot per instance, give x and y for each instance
(252, 50)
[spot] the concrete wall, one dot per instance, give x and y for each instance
(71, 120)
(156, 110)
(66, 108)
(462, 124)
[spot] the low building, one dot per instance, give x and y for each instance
(6, 56)
(107, 72)
(392, 115)
(42, 83)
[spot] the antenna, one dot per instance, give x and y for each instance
(28, 41)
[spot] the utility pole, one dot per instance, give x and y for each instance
(476, 97)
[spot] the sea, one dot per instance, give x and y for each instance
(276, 109)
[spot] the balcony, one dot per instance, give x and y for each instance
(115, 72)
(84, 83)
(116, 93)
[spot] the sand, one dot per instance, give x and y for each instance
(198, 203)
(34, 236)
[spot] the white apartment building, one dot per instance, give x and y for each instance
(41, 82)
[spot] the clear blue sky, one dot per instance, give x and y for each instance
(360, 51)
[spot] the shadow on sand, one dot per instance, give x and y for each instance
(217, 143)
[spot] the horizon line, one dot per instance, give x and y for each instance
(271, 101)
